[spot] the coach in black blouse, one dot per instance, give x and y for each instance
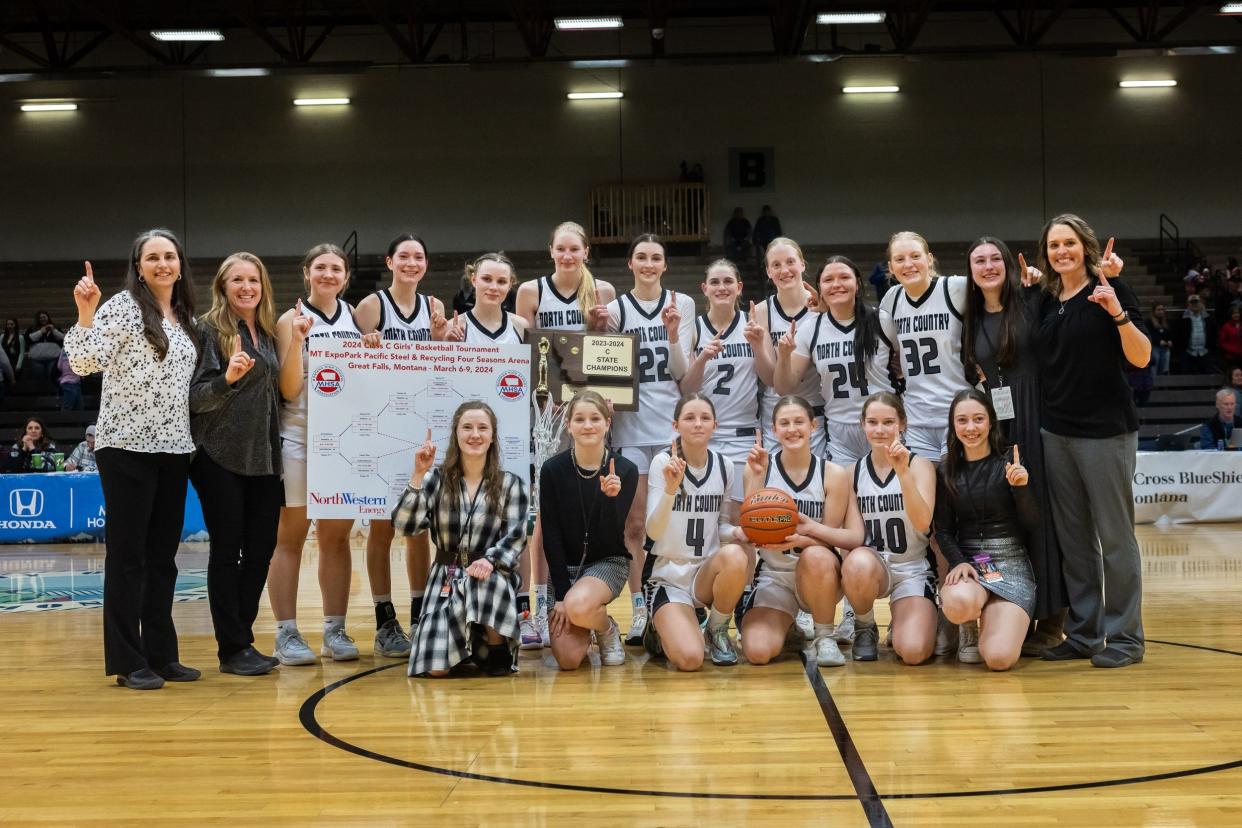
(143, 342)
(1089, 330)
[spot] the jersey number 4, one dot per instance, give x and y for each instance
(893, 531)
(696, 539)
(921, 356)
(653, 365)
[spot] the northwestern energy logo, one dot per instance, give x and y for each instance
(348, 499)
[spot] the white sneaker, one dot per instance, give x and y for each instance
(292, 649)
(827, 653)
(719, 647)
(529, 637)
(338, 644)
(391, 641)
(611, 651)
(968, 643)
(637, 626)
(845, 630)
(805, 623)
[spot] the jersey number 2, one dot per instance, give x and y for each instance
(657, 359)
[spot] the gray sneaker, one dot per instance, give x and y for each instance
(866, 641)
(845, 630)
(805, 623)
(338, 645)
(827, 653)
(719, 647)
(946, 636)
(391, 641)
(968, 643)
(292, 650)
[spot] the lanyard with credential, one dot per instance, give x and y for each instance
(1002, 394)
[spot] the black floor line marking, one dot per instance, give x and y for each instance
(306, 715)
(868, 797)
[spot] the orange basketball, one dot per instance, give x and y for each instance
(768, 516)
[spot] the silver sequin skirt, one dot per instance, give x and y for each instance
(614, 572)
(1017, 584)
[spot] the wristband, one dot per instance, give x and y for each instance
(1122, 319)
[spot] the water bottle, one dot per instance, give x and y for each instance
(1220, 445)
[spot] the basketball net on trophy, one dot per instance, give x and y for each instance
(547, 420)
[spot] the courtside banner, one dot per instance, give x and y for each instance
(67, 506)
(1188, 486)
(369, 409)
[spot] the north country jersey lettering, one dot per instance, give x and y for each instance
(732, 349)
(881, 503)
(568, 318)
(647, 333)
(836, 348)
(684, 502)
(407, 335)
(920, 324)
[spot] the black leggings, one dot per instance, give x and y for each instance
(241, 513)
(144, 494)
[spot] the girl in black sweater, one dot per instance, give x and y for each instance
(984, 510)
(585, 493)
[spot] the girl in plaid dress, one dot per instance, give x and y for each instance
(476, 512)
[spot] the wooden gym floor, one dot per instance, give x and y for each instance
(868, 744)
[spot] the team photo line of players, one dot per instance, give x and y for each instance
(844, 407)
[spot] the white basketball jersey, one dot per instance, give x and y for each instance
(652, 423)
(729, 379)
(807, 493)
(929, 335)
(830, 346)
(395, 325)
(888, 527)
(340, 326)
(693, 529)
(808, 387)
(476, 334)
(556, 312)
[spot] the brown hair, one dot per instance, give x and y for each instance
(885, 398)
(493, 473)
(588, 397)
(1090, 250)
(317, 251)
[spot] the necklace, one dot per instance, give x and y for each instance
(1077, 291)
(578, 469)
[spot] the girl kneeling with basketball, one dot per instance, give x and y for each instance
(476, 512)
(698, 559)
(585, 494)
(803, 571)
(984, 507)
(896, 492)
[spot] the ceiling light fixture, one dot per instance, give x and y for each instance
(1147, 84)
(595, 96)
(869, 90)
(850, 18)
(320, 101)
(187, 35)
(582, 24)
(49, 107)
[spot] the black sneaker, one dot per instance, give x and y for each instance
(866, 641)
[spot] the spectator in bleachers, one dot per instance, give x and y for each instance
(767, 228)
(1232, 272)
(7, 375)
(1216, 431)
(1195, 335)
(737, 237)
(1161, 333)
(1230, 339)
(70, 385)
(1228, 299)
(1233, 380)
(880, 279)
(33, 450)
(15, 344)
(1195, 278)
(83, 456)
(45, 339)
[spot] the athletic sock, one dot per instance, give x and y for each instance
(332, 622)
(639, 603)
(416, 606)
(824, 630)
(716, 618)
(523, 602)
(384, 610)
(864, 617)
(287, 627)
(541, 599)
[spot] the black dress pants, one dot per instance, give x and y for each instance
(241, 513)
(144, 495)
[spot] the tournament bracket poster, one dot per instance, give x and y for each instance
(369, 410)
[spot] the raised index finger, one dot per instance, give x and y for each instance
(90, 273)
(612, 467)
(429, 435)
(673, 449)
(1021, 265)
(752, 311)
(1108, 248)
(1015, 454)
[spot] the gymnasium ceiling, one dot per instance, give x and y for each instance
(101, 38)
